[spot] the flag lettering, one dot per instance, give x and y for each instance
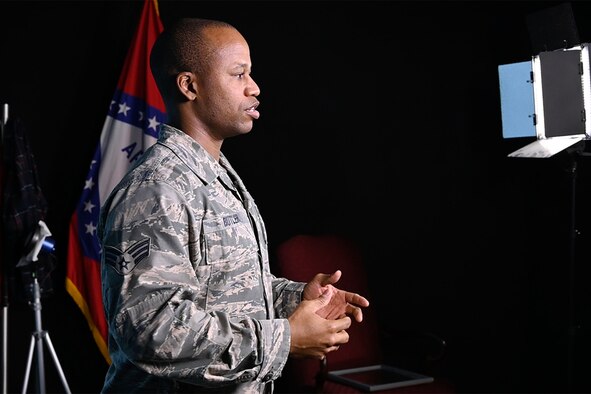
(130, 150)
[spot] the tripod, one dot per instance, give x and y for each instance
(37, 339)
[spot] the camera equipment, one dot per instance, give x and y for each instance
(39, 242)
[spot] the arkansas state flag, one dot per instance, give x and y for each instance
(130, 128)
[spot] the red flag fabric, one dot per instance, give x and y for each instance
(131, 126)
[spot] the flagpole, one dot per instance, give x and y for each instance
(4, 118)
(4, 285)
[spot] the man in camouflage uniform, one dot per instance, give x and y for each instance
(189, 297)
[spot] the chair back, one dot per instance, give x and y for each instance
(303, 256)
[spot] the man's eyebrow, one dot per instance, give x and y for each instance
(244, 66)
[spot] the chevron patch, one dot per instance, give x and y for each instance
(124, 261)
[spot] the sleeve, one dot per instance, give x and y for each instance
(155, 296)
(287, 295)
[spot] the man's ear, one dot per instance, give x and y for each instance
(187, 85)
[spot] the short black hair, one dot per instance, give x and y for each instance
(181, 47)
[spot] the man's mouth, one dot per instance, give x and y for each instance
(252, 111)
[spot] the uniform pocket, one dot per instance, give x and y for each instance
(235, 274)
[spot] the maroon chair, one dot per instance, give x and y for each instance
(300, 258)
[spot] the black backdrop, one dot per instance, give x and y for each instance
(380, 121)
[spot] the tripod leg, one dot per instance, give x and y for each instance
(57, 363)
(40, 363)
(38, 338)
(4, 348)
(29, 361)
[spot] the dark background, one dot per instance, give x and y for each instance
(380, 121)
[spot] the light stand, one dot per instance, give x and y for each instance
(572, 327)
(574, 324)
(553, 95)
(39, 242)
(37, 339)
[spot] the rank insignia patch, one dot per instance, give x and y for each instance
(124, 261)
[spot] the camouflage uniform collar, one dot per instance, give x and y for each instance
(192, 153)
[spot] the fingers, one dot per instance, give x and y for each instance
(342, 337)
(331, 279)
(332, 349)
(324, 298)
(354, 304)
(356, 312)
(341, 324)
(321, 354)
(335, 276)
(356, 299)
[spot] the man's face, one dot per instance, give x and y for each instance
(227, 93)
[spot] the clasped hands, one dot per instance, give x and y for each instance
(319, 324)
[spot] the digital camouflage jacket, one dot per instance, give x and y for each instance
(189, 298)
